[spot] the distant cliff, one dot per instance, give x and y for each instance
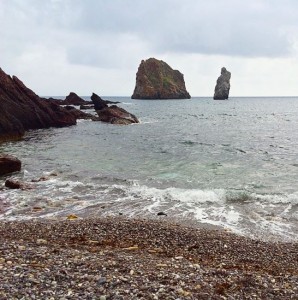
(155, 79)
(21, 109)
(222, 87)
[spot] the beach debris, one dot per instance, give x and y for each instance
(36, 208)
(72, 217)
(132, 248)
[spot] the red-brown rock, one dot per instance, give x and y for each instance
(112, 114)
(155, 79)
(9, 164)
(74, 99)
(12, 183)
(21, 109)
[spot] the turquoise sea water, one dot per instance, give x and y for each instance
(229, 163)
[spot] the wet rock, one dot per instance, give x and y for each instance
(155, 79)
(98, 102)
(80, 114)
(42, 178)
(12, 183)
(112, 114)
(161, 213)
(9, 164)
(222, 87)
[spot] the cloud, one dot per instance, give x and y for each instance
(105, 41)
(222, 27)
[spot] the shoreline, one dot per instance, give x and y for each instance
(121, 258)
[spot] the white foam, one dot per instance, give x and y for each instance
(262, 214)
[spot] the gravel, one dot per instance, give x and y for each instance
(119, 258)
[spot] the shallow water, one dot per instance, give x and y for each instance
(229, 163)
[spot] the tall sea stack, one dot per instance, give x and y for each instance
(155, 79)
(222, 87)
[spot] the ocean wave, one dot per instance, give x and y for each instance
(245, 213)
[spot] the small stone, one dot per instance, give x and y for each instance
(103, 297)
(102, 280)
(41, 242)
(161, 265)
(161, 213)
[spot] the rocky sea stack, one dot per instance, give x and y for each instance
(21, 109)
(222, 87)
(155, 79)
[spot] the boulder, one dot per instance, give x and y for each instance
(74, 99)
(112, 114)
(21, 109)
(155, 79)
(222, 87)
(12, 183)
(9, 164)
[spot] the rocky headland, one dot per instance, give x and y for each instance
(21, 110)
(155, 79)
(222, 87)
(112, 114)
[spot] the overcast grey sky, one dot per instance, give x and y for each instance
(85, 46)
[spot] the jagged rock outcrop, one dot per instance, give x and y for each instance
(21, 109)
(71, 99)
(80, 114)
(155, 79)
(74, 99)
(112, 114)
(222, 87)
(9, 164)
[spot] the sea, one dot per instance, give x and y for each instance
(232, 164)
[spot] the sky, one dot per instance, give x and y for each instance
(85, 46)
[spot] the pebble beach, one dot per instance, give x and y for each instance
(121, 258)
